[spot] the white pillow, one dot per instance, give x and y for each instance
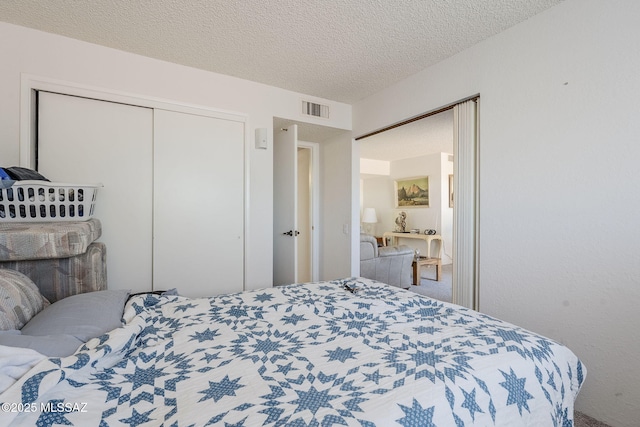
(20, 300)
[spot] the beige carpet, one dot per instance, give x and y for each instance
(582, 420)
(440, 290)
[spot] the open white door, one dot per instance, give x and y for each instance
(284, 205)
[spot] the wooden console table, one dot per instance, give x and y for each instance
(423, 260)
(426, 237)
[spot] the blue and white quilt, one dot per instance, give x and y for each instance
(316, 354)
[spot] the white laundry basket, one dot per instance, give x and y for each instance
(43, 201)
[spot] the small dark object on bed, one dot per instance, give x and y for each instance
(351, 288)
(172, 291)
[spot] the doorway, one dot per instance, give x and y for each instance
(332, 207)
(422, 148)
(296, 194)
(462, 194)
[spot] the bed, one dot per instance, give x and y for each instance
(352, 352)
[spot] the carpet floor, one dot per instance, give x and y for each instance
(582, 420)
(441, 290)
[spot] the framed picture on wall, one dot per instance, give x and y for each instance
(451, 190)
(412, 192)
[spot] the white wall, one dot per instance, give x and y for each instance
(421, 166)
(559, 150)
(375, 167)
(54, 57)
(378, 193)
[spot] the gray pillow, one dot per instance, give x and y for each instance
(49, 345)
(83, 316)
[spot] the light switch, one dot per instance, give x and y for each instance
(261, 138)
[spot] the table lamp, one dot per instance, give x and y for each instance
(369, 217)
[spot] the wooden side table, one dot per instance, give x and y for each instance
(423, 260)
(418, 263)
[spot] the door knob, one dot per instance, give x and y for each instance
(288, 233)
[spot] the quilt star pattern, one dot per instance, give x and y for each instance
(351, 352)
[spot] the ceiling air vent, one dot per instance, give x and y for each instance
(315, 110)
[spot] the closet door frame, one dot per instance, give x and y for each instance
(30, 84)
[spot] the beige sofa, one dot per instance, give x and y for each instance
(387, 264)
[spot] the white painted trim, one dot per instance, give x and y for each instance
(30, 83)
(315, 207)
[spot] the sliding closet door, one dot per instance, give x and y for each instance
(84, 140)
(198, 240)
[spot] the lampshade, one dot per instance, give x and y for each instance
(369, 216)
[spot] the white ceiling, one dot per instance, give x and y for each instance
(433, 134)
(343, 50)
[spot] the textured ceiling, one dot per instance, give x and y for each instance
(342, 50)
